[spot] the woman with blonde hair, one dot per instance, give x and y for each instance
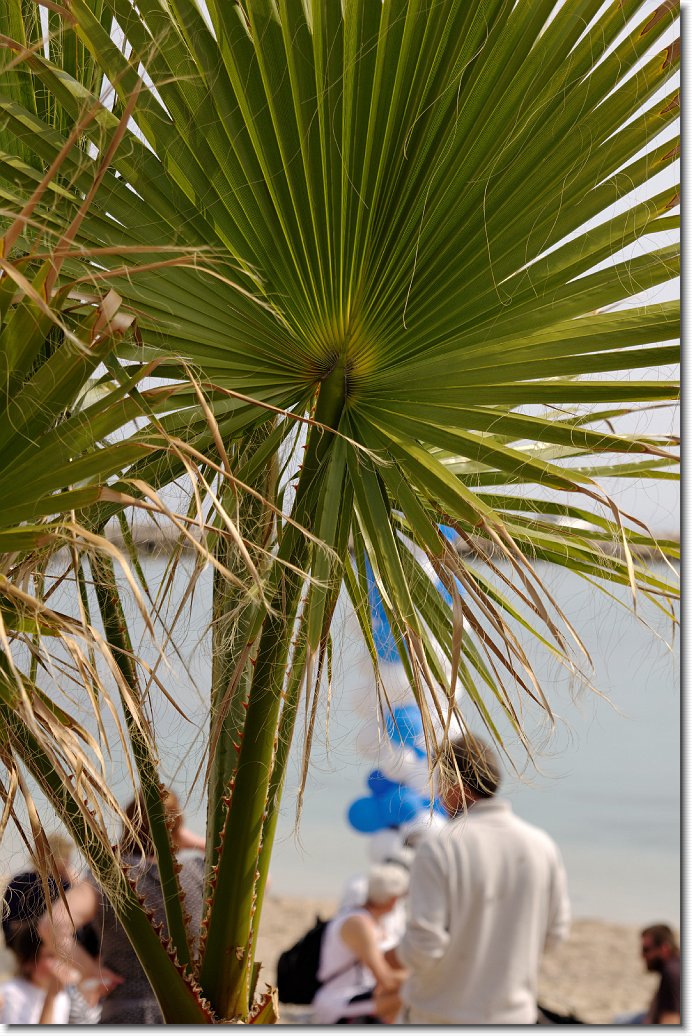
(358, 985)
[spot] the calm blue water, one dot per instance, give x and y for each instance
(606, 784)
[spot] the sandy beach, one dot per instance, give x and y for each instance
(596, 974)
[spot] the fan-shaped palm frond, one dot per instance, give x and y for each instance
(418, 222)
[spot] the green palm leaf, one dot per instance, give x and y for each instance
(396, 223)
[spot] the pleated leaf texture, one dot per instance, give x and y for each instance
(421, 218)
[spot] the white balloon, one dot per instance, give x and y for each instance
(393, 679)
(372, 742)
(406, 767)
(397, 763)
(384, 844)
(392, 674)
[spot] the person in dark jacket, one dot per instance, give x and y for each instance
(661, 953)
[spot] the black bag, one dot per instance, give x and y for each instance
(546, 1017)
(296, 969)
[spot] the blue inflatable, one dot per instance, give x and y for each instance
(400, 806)
(391, 803)
(364, 815)
(392, 807)
(385, 644)
(404, 726)
(380, 785)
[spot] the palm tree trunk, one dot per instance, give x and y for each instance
(227, 966)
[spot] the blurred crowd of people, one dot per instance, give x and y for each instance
(448, 928)
(452, 930)
(74, 962)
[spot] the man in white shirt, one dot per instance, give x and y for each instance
(488, 894)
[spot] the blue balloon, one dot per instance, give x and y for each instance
(400, 806)
(451, 535)
(379, 784)
(385, 644)
(365, 816)
(404, 726)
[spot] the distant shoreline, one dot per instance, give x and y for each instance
(157, 542)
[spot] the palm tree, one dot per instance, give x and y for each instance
(404, 288)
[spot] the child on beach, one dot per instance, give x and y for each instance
(36, 995)
(24, 902)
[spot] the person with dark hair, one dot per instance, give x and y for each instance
(36, 996)
(661, 953)
(118, 976)
(136, 838)
(488, 894)
(24, 903)
(24, 899)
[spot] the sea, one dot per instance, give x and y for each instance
(604, 780)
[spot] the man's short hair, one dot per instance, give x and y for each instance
(474, 761)
(386, 880)
(660, 935)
